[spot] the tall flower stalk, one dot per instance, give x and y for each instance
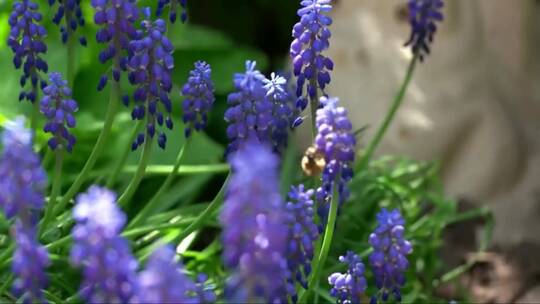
(199, 98)
(26, 41)
(336, 142)
(69, 11)
(310, 66)
(58, 107)
(423, 18)
(150, 69)
(116, 19)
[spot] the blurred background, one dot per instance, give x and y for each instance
(473, 106)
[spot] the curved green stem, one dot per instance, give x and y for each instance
(56, 186)
(123, 159)
(327, 241)
(388, 118)
(98, 148)
(143, 214)
(137, 178)
(207, 213)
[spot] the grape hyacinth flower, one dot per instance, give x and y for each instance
(199, 97)
(150, 70)
(58, 107)
(255, 232)
(22, 179)
(259, 109)
(29, 262)
(336, 141)
(348, 287)
(283, 109)
(26, 41)
(22, 186)
(303, 233)
(389, 258)
(172, 10)
(163, 281)
(311, 36)
(70, 10)
(109, 269)
(117, 18)
(423, 17)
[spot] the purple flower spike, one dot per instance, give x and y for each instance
(424, 15)
(29, 262)
(199, 97)
(336, 141)
(348, 287)
(311, 36)
(70, 11)
(109, 269)
(26, 41)
(150, 70)
(255, 230)
(163, 280)
(172, 10)
(117, 20)
(259, 109)
(22, 179)
(389, 258)
(303, 233)
(22, 185)
(58, 107)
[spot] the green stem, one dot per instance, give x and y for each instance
(182, 170)
(389, 117)
(137, 178)
(314, 105)
(47, 158)
(164, 170)
(51, 296)
(35, 111)
(7, 253)
(207, 213)
(327, 241)
(145, 229)
(56, 186)
(70, 74)
(98, 147)
(143, 214)
(123, 159)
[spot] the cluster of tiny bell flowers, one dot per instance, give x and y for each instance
(268, 243)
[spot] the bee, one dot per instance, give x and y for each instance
(313, 162)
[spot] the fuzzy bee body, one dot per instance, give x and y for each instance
(313, 162)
